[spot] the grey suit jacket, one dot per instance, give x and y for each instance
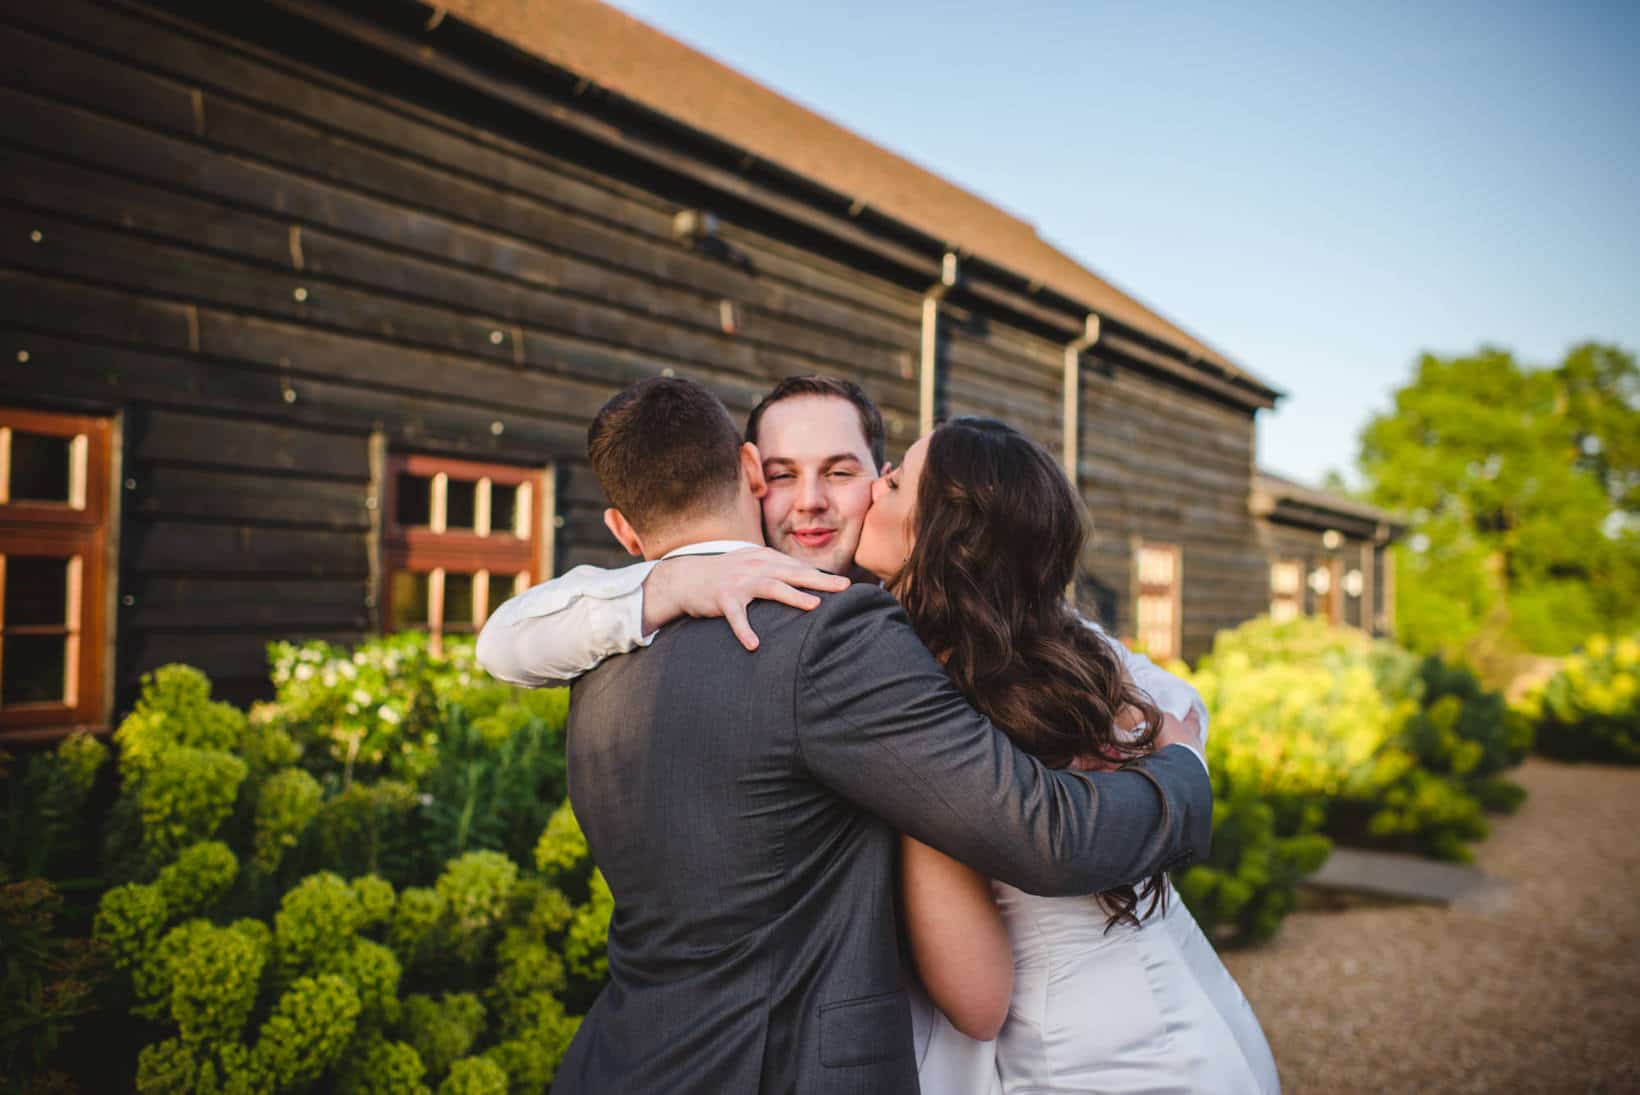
(745, 810)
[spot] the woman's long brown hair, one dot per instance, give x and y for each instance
(998, 531)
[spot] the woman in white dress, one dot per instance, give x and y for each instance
(978, 533)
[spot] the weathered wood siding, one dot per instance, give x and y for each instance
(1160, 462)
(259, 249)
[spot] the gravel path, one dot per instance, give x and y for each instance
(1533, 990)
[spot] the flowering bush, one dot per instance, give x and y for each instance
(420, 758)
(1590, 709)
(1324, 734)
(332, 975)
(339, 891)
(382, 708)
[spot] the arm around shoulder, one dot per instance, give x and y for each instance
(556, 631)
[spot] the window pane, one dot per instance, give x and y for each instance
(461, 505)
(458, 600)
(415, 504)
(1155, 566)
(34, 669)
(39, 467)
(503, 509)
(36, 591)
(409, 601)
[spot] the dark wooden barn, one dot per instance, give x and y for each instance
(307, 305)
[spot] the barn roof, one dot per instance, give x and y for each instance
(621, 54)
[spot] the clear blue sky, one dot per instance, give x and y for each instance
(1321, 191)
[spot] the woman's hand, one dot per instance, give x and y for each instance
(723, 585)
(1173, 731)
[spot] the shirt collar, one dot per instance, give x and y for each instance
(710, 547)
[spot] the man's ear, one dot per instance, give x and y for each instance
(620, 528)
(751, 468)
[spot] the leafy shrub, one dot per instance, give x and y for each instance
(474, 1076)
(288, 802)
(45, 796)
(1322, 735)
(175, 709)
(1590, 709)
(47, 982)
(308, 1031)
(346, 875)
(80, 757)
(385, 708)
(474, 891)
(213, 974)
(370, 828)
(416, 910)
(1251, 878)
(315, 922)
(129, 921)
(337, 1007)
(421, 758)
(443, 1030)
(201, 876)
(184, 795)
(1467, 733)
(384, 1068)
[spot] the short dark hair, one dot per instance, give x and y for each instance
(871, 419)
(663, 450)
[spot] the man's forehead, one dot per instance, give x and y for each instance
(812, 428)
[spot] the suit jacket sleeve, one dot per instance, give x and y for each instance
(879, 722)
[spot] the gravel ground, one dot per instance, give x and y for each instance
(1534, 989)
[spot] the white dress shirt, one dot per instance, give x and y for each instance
(554, 632)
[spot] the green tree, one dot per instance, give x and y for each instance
(1522, 487)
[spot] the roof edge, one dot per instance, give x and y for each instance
(427, 36)
(1279, 498)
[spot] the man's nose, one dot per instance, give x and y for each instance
(811, 495)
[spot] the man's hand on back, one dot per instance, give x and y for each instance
(723, 585)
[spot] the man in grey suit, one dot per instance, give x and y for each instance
(744, 808)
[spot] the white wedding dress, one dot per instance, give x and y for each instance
(1140, 1010)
